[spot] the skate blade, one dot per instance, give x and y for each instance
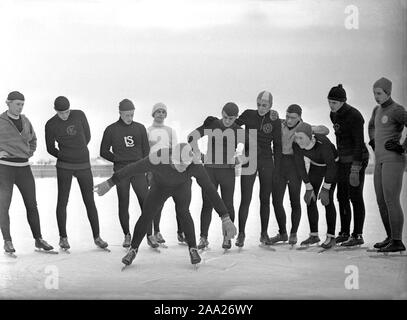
(10, 254)
(46, 251)
(155, 249)
(268, 247)
(343, 248)
(125, 267)
(164, 246)
(204, 249)
(225, 251)
(182, 243)
(292, 246)
(64, 250)
(104, 249)
(372, 250)
(195, 266)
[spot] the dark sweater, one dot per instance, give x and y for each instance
(128, 142)
(323, 153)
(166, 176)
(215, 149)
(348, 125)
(267, 132)
(72, 136)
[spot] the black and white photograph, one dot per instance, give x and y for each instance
(207, 151)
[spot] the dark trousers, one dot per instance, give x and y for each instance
(154, 202)
(346, 195)
(287, 175)
(225, 178)
(265, 170)
(23, 178)
(140, 188)
(85, 180)
(316, 175)
(388, 182)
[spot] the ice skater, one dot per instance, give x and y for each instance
(219, 163)
(172, 171)
(125, 141)
(348, 124)
(385, 128)
(323, 168)
(268, 130)
(18, 143)
(70, 130)
(288, 175)
(162, 136)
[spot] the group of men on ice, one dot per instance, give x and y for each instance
(282, 153)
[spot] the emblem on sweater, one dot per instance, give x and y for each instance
(129, 142)
(337, 127)
(267, 128)
(71, 130)
(385, 119)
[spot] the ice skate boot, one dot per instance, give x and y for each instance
(292, 240)
(264, 239)
(64, 244)
(342, 237)
(129, 257)
(329, 243)
(195, 258)
(9, 248)
(127, 241)
(240, 240)
(203, 243)
(353, 241)
(279, 238)
(382, 244)
(393, 246)
(227, 244)
(101, 244)
(181, 238)
(160, 240)
(152, 242)
(43, 246)
(312, 239)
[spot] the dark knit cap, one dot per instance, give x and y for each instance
(305, 128)
(383, 83)
(126, 105)
(61, 103)
(231, 109)
(294, 108)
(337, 93)
(15, 95)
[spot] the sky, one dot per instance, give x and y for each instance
(195, 56)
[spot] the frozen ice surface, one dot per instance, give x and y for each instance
(252, 273)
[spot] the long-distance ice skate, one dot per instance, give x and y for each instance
(9, 249)
(195, 258)
(43, 246)
(101, 244)
(64, 244)
(129, 257)
(152, 242)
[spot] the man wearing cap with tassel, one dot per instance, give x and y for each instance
(17, 144)
(385, 129)
(125, 141)
(353, 159)
(70, 130)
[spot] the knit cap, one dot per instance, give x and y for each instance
(126, 105)
(15, 95)
(337, 93)
(383, 83)
(231, 109)
(61, 103)
(305, 128)
(158, 106)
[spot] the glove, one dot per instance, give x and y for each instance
(273, 115)
(372, 144)
(208, 121)
(102, 188)
(309, 196)
(395, 146)
(228, 228)
(324, 196)
(354, 175)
